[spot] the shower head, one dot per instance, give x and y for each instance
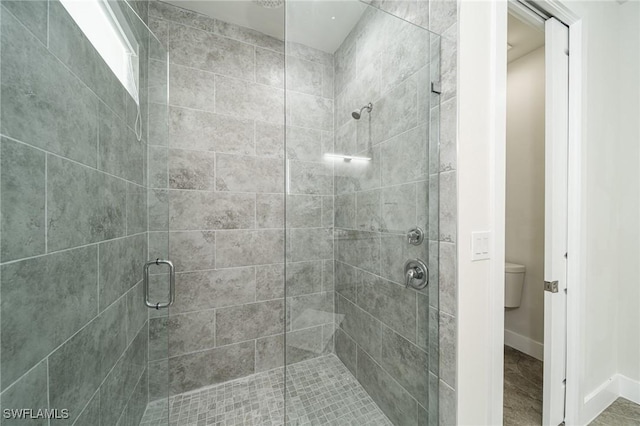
(358, 113)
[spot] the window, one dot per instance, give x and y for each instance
(105, 26)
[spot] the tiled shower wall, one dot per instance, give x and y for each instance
(73, 204)
(225, 188)
(386, 331)
(441, 17)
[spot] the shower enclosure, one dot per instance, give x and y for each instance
(238, 227)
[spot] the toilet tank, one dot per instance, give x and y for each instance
(513, 284)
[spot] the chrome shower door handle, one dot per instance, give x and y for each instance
(172, 284)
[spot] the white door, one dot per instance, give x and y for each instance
(555, 260)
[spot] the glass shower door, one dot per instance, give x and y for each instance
(361, 216)
(75, 226)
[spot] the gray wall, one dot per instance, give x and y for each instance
(73, 204)
(225, 188)
(386, 332)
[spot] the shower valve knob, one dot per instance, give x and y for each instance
(415, 236)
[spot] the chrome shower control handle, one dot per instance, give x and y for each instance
(415, 236)
(416, 274)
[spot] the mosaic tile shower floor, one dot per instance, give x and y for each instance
(321, 391)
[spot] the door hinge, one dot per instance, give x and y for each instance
(436, 87)
(551, 286)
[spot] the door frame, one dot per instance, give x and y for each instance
(575, 228)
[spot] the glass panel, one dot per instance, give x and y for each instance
(362, 179)
(158, 222)
(74, 228)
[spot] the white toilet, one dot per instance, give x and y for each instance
(513, 284)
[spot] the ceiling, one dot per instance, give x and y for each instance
(319, 24)
(523, 38)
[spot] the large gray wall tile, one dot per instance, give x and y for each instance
(310, 178)
(193, 250)
(269, 67)
(310, 244)
(79, 366)
(248, 35)
(407, 52)
(406, 363)
(448, 296)
(304, 211)
(206, 51)
(269, 139)
(183, 16)
(346, 281)
(399, 205)
(136, 209)
(270, 282)
(32, 14)
(248, 100)
(368, 211)
(346, 350)
(193, 371)
(137, 403)
(242, 248)
(68, 128)
(404, 158)
(304, 278)
(447, 406)
(396, 112)
(136, 311)
(310, 310)
(200, 210)
(392, 398)
(119, 151)
(191, 170)
(191, 332)
(310, 111)
(447, 333)
(120, 267)
(53, 309)
(269, 353)
(122, 380)
(304, 344)
(270, 210)
(190, 87)
(304, 76)
(91, 412)
(247, 322)
(360, 249)
(212, 289)
(249, 174)
(364, 329)
(84, 205)
(448, 207)
(304, 144)
(390, 303)
(205, 131)
(359, 176)
(29, 392)
(23, 201)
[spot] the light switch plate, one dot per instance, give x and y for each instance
(480, 244)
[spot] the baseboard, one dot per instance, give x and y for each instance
(605, 394)
(524, 344)
(629, 389)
